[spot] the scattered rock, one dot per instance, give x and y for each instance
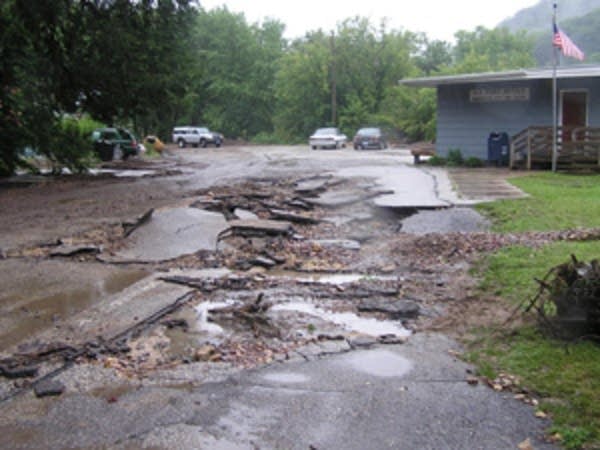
(46, 388)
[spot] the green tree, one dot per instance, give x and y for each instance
(363, 63)
(432, 56)
(60, 57)
(302, 87)
(240, 61)
(485, 50)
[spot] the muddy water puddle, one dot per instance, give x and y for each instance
(328, 278)
(36, 307)
(348, 321)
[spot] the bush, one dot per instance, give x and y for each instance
(264, 138)
(455, 157)
(68, 144)
(473, 161)
(437, 161)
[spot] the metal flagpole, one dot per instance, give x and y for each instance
(554, 93)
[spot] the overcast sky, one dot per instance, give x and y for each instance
(439, 19)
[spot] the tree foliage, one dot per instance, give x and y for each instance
(153, 64)
(488, 50)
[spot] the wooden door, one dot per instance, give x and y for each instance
(573, 111)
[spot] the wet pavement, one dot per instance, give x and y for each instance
(398, 397)
(274, 302)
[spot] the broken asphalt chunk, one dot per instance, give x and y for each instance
(391, 339)
(344, 244)
(399, 309)
(248, 228)
(315, 184)
(280, 214)
(300, 204)
(131, 226)
(46, 388)
(263, 262)
(171, 233)
(362, 341)
(244, 214)
(71, 250)
(18, 371)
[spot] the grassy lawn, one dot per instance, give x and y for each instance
(566, 376)
(556, 202)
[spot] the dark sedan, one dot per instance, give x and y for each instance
(369, 138)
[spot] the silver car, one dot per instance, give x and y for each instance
(327, 138)
(196, 136)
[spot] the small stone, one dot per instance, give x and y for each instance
(204, 353)
(473, 381)
(541, 415)
(526, 445)
(48, 388)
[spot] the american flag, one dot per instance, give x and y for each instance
(566, 45)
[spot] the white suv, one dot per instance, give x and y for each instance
(196, 136)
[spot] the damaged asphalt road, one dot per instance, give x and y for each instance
(246, 298)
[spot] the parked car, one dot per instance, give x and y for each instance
(327, 138)
(114, 143)
(369, 138)
(196, 136)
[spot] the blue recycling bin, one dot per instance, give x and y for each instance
(498, 149)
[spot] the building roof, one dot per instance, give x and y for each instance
(512, 75)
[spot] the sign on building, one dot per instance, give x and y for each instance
(509, 94)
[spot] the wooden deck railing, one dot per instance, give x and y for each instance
(577, 148)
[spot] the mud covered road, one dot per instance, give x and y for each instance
(250, 297)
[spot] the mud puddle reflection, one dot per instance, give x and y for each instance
(36, 308)
(347, 320)
(380, 363)
(328, 278)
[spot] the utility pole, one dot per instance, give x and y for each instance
(333, 82)
(554, 94)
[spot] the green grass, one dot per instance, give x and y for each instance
(566, 376)
(556, 202)
(511, 272)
